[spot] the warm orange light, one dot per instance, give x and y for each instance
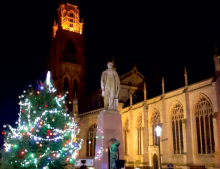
(70, 22)
(41, 145)
(38, 92)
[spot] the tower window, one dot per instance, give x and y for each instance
(70, 52)
(66, 84)
(75, 87)
(71, 15)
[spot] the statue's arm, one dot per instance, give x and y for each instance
(102, 83)
(118, 84)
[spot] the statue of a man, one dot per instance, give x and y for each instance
(114, 154)
(110, 84)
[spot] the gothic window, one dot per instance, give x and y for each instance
(91, 140)
(70, 52)
(155, 122)
(177, 129)
(126, 128)
(139, 136)
(204, 126)
(75, 88)
(72, 15)
(66, 84)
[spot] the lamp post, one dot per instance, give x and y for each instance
(158, 130)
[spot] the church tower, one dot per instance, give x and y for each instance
(66, 59)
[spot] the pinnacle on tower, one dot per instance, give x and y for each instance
(186, 79)
(163, 89)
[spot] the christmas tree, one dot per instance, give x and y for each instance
(45, 136)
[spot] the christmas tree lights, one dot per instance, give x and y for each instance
(45, 136)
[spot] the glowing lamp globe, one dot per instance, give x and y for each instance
(158, 130)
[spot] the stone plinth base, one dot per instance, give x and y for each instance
(109, 128)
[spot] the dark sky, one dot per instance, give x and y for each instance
(164, 36)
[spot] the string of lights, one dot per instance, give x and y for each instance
(46, 134)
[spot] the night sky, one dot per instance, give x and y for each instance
(156, 36)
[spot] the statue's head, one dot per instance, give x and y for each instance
(117, 143)
(110, 65)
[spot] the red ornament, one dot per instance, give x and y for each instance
(41, 83)
(60, 96)
(81, 123)
(48, 131)
(3, 132)
(51, 134)
(22, 111)
(83, 141)
(54, 155)
(68, 141)
(46, 105)
(22, 153)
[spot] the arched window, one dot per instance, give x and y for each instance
(204, 126)
(75, 88)
(71, 20)
(155, 122)
(139, 130)
(71, 15)
(66, 84)
(126, 128)
(91, 140)
(70, 52)
(177, 129)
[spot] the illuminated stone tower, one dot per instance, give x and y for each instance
(67, 58)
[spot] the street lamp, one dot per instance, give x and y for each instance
(158, 130)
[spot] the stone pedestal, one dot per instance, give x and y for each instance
(109, 127)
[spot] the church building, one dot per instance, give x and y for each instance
(188, 116)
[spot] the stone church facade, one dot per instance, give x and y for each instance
(189, 116)
(189, 120)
